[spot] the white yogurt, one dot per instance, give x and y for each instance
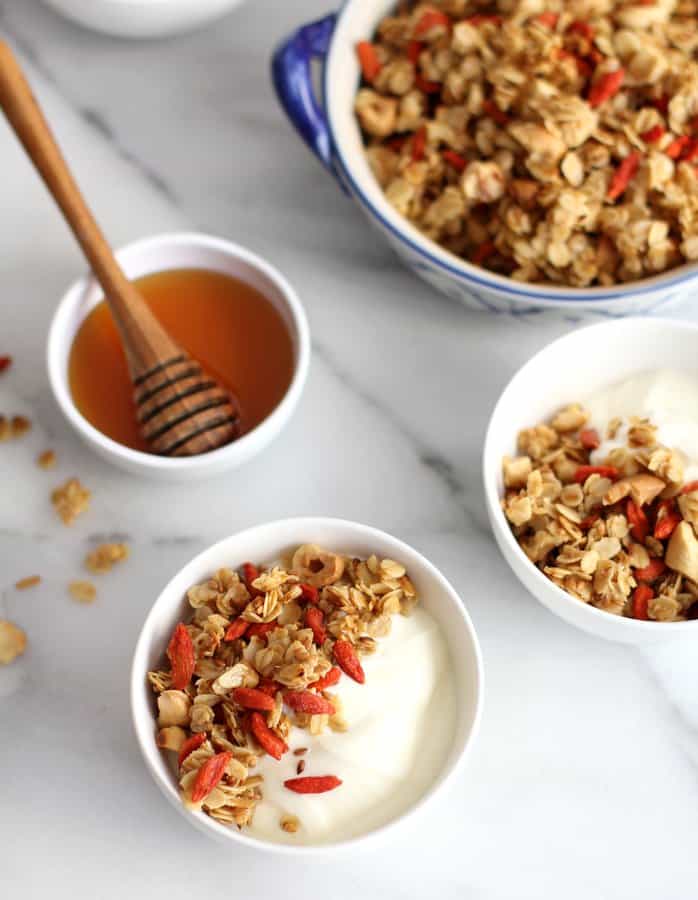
(668, 398)
(401, 728)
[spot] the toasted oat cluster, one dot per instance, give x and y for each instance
(547, 141)
(258, 656)
(618, 533)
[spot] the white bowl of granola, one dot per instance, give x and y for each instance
(590, 472)
(299, 693)
(563, 181)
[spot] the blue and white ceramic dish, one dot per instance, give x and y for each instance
(332, 133)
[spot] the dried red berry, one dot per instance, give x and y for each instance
(180, 652)
(209, 775)
(326, 681)
(642, 594)
(269, 742)
(308, 702)
(583, 472)
(192, 743)
(236, 630)
(313, 784)
(348, 661)
(250, 698)
(315, 619)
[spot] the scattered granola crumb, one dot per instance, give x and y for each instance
(299, 751)
(290, 824)
(20, 425)
(13, 642)
(70, 500)
(5, 429)
(29, 582)
(5, 363)
(103, 557)
(82, 591)
(300, 768)
(46, 460)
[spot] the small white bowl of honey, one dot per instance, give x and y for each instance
(228, 308)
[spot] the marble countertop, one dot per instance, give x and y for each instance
(583, 782)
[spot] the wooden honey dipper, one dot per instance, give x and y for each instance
(181, 410)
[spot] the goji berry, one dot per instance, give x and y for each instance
(250, 573)
(269, 742)
(5, 363)
(582, 28)
(690, 151)
(690, 487)
(651, 571)
(209, 775)
(676, 147)
(313, 784)
(639, 525)
(589, 438)
(308, 702)
(268, 686)
(653, 134)
(180, 652)
(428, 87)
(414, 48)
(315, 619)
(583, 472)
(368, 59)
(326, 681)
(547, 19)
(261, 629)
(236, 630)
(419, 143)
(661, 104)
(586, 523)
(490, 108)
(642, 595)
(623, 175)
(483, 252)
(455, 159)
(192, 743)
(606, 87)
(667, 520)
(348, 661)
(250, 698)
(309, 593)
(429, 19)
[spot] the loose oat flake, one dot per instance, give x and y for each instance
(46, 460)
(70, 500)
(620, 532)
(256, 657)
(103, 557)
(13, 642)
(82, 591)
(29, 582)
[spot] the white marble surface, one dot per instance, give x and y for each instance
(583, 783)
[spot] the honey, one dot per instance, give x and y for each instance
(229, 327)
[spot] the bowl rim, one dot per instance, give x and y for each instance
(490, 467)
(300, 334)
(446, 776)
(403, 230)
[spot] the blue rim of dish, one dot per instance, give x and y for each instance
(620, 293)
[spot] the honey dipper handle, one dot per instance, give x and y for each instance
(145, 341)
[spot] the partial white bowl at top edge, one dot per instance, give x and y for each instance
(142, 18)
(569, 370)
(158, 254)
(268, 543)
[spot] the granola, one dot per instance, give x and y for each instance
(259, 655)
(548, 142)
(618, 532)
(70, 500)
(13, 642)
(105, 556)
(82, 591)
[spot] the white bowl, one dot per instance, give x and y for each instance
(570, 369)
(332, 132)
(157, 254)
(142, 18)
(268, 542)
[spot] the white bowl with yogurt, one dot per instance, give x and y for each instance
(431, 657)
(637, 366)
